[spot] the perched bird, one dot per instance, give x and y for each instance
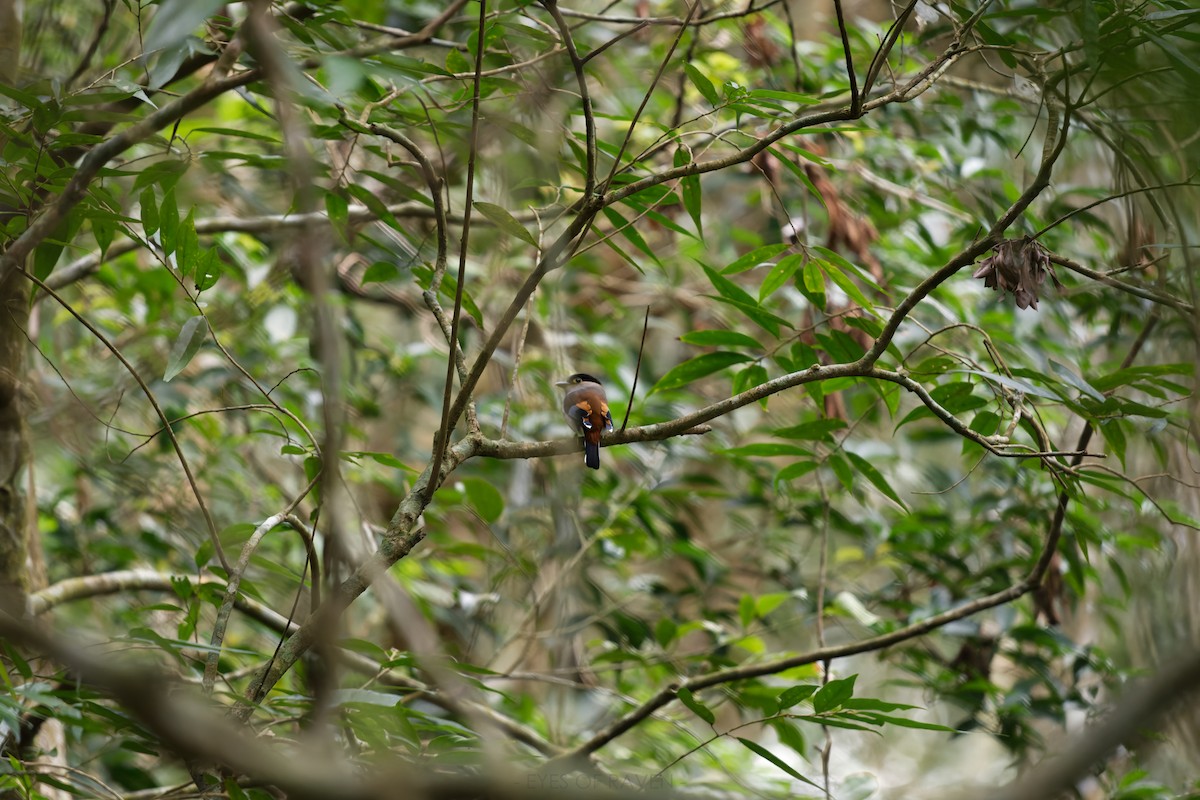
(586, 408)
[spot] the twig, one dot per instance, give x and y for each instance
(442, 437)
(231, 592)
(585, 97)
(855, 99)
(1171, 688)
(616, 165)
(637, 369)
(162, 417)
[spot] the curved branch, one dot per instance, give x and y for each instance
(1167, 690)
(162, 417)
(1182, 307)
(133, 580)
(668, 693)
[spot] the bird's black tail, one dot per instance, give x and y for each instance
(591, 453)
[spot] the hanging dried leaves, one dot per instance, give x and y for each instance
(1019, 266)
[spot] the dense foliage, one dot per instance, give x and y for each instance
(895, 308)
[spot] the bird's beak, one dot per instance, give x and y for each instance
(561, 383)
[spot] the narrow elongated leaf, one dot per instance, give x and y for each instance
(499, 216)
(902, 722)
(187, 344)
(689, 187)
(168, 222)
(766, 449)
(1129, 375)
(754, 258)
(765, 319)
(720, 338)
(769, 756)
(338, 210)
(813, 284)
(847, 285)
(1067, 374)
(817, 429)
(801, 175)
(698, 367)
(699, 709)
(702, 84)
(626, 229)
(149, 212)
(188, 256)
(871, 704)
(1012, 383)
(797, 470)
(779, 275)
(177, 19)
(727, 288)
(868, 470)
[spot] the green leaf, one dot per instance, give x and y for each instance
(665, 631)
(759, 255)
(175, 20)
(699, 709)
(702, 84)
(797, 470)
(187, 344)
(209, 270)
(746, 610)
(1130, 375)
(188, 255)
(149, 212)
(833, 694)
(848, 286)
(902, 722)
(379, 272)
(698, 367)
(868, 470)
(338, 209)
(456, 62)
(764, 604)
(756, 313)
(871, 704)
(727, 288)
(626, 229)
(812, 284)
(767, 450)
(720, 338)
(1075, 380)
(484, 498)
(376, 206)
(168, 220)
(794, 695)
(800, 174)
(839, 721)
(748, 378)
(50, 250)
(1012, 383)
(779, 275)
(817, 429)
(786, 97)
(689, 186)
(499, 216)
(769, 756)
(1114, 436)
